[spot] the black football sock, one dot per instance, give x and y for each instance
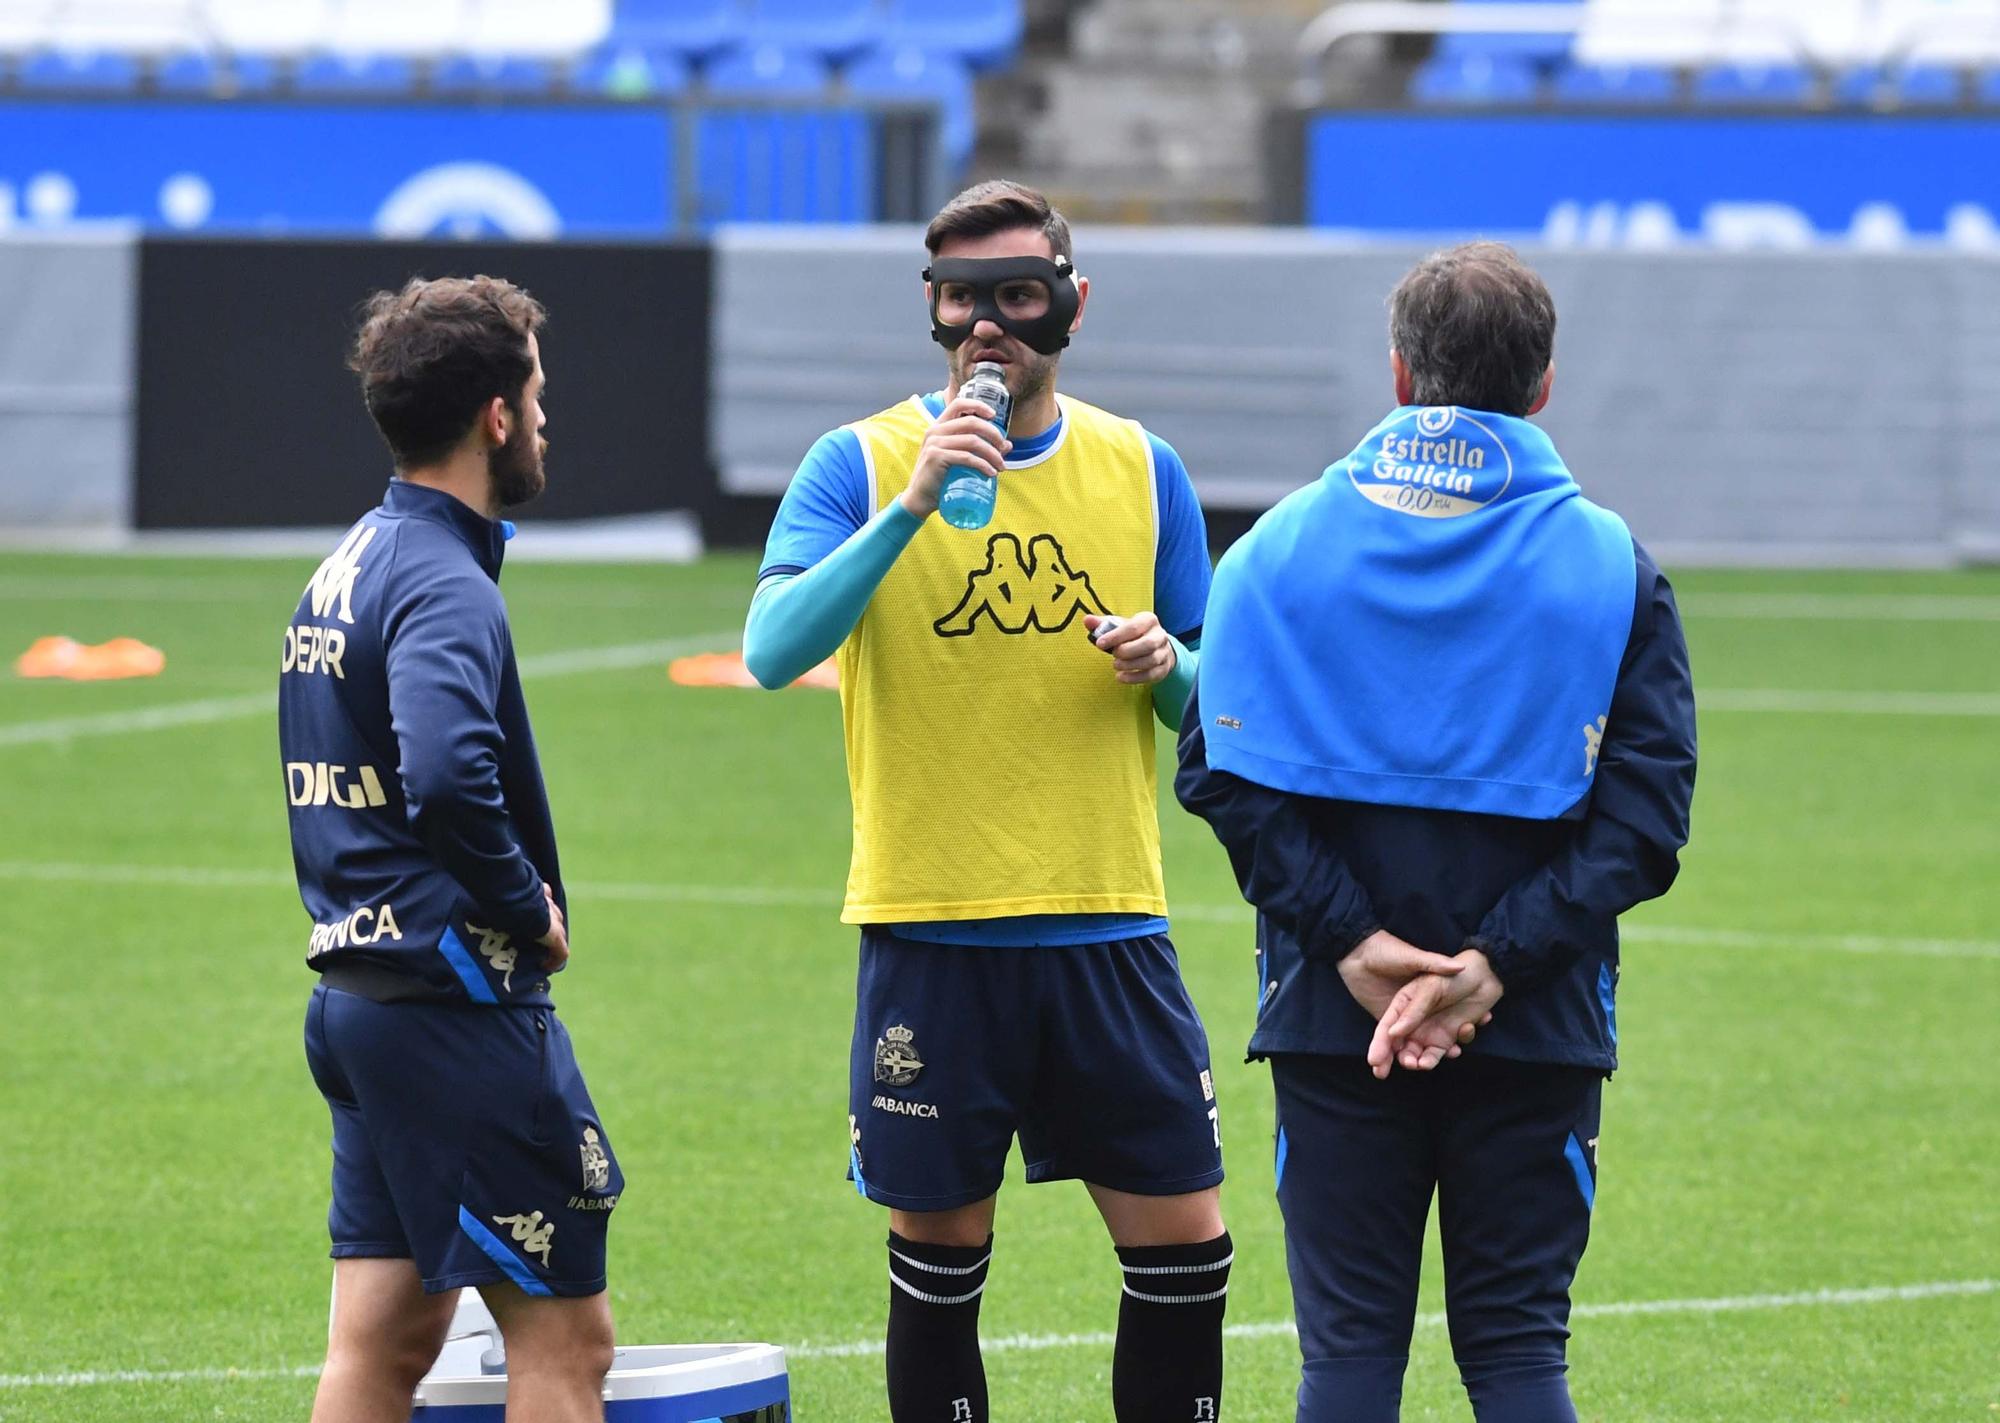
(935, 1372)
(1168, 1362)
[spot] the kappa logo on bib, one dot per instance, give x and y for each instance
(1036, 591)
(1436, 463)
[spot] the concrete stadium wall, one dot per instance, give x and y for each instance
(1832, 407)
(1828, 407)
(68, 327)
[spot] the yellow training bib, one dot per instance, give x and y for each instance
(996, 765)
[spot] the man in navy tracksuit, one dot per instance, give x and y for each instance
(1444, 727)
(466, 1148)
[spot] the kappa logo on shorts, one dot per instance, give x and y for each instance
(596, 1163)
(896, 1060)
(1039, 591)
(497, 949)
(531, 1233)
(1593, 742)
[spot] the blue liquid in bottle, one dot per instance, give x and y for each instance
(967, 499)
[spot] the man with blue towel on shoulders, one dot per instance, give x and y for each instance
(1444, 727)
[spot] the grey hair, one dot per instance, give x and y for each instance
(1476, 327)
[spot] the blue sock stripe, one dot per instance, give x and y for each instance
(1284, 1147)
(460, 958)
(496, 1250)
(1573, 1150)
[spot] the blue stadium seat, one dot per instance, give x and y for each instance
(1540, 48)
(194, 72)
(833, 28)
(355, 74)
(692, 27)
(98, 71)
(465, 74)
(1753, 84)
(1475, 79)
(1634, 84)
(909, 73)
(1914, 86)
(766, 69)
(629, 72)
(1988, 89)
(984, 33)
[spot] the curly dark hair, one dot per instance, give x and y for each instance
(432, 355)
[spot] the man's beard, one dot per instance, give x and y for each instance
(1028, 377)
(518, 475)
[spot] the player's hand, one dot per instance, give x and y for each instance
(964, 437)
(1433, 1014)
(555, 943)
(1141, 652)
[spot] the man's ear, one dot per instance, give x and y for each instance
(1548, 385)
(1082, 300)
(1406, 385)
(494, 425)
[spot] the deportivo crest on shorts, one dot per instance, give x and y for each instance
(896, 1060)
(596, 1164)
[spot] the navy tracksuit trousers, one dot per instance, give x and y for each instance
(1510, 1150)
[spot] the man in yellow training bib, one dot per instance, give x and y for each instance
(1016, 974)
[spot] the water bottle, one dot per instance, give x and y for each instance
(967, 499)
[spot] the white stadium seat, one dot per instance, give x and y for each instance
(24, 24)
(127, 26)
(1632, 32)
(409, 28)
(1949, 32)
(536, 28)
(272, 27)
(1828, 32)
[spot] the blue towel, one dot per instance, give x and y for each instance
(1438, 622)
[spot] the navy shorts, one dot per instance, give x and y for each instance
(464, 1140)
(1092, 1053)
(1509, 1149)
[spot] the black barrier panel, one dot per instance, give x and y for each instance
(249, 418)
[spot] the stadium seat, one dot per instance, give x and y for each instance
(908, 73)
(1635, 84)
(1475, 79)
(1987, 91)
(1753, 84)
(127, 26)
(628, 72)
(206, 72)
(355, 74)
(692, 27)
(835, 29)
(984, 33)
(766, 69)
(492, 74)
(1658, 32)
(535, 28)
(99, 71)
(24, 24)
(1540, 48)
(415, 28)
(1962, 33)
(1832, 33)
(280, 27)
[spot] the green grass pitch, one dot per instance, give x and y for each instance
(1809, 1100)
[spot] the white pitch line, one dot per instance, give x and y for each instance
(1037, 1343)
(1845, 607)
(214, 709)
(784, 897)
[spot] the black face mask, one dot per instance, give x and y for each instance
(1047, 333)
